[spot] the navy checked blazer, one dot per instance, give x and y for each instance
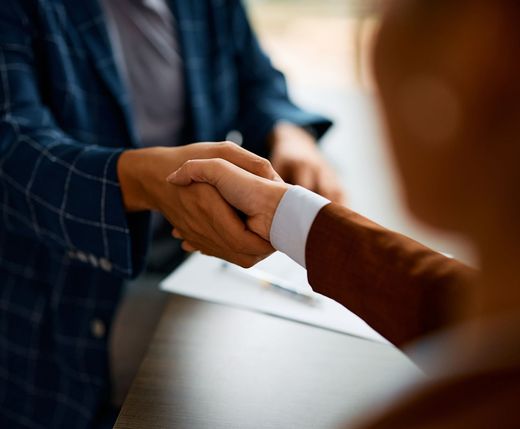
(66, 243)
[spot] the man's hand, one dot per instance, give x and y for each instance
(255, 196)
(296, 157)
(199, 211)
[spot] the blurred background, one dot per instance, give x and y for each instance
(324, 48)
(318, 43)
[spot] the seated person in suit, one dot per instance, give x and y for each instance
(82, 83)
(448, 79)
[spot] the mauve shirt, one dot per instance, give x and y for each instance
(145, 44)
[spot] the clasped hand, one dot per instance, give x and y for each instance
(210, 184)
(198, 213)
(255, 196)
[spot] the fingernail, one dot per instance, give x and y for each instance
(171, 177)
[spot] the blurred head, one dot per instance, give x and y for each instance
(448, 73)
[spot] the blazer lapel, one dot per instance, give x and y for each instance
(90, 22)
(193, 36)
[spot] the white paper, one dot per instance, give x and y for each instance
(210, 279)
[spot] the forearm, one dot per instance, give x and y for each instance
(67, 196)
(139, 174)
(401, 288)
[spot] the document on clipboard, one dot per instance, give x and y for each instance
(276, 286)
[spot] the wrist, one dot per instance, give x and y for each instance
(135, 169)
(271, 197)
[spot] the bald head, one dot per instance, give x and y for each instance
(449, 77)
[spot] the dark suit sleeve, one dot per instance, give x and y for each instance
(401, 288)
(264, 99)
(55, 189)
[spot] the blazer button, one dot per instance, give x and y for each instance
(93, 261)
(82, 256)
(105, 264)
(98, 329)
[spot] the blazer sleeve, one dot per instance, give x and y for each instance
(399, 287)
(264, 99)
(54, 189)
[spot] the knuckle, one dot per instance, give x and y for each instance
(218, 162)
(263, 166)
(188, 165)
(225, 147)
(265, 163)
(231, 145)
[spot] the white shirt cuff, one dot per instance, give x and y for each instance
(293, 220)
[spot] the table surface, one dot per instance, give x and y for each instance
(212, 366)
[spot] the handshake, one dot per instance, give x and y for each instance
(219, 197)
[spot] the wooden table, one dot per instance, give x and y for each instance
(216, 367)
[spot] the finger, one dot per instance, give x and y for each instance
(177, 234)
(331, 191)
(236, 155)
(248, 161)
(236, 235)
(217, 224)
(329, 187)
(200, 170)
(188, 247)
(339, 196)
(243, 260)
(246, 261)
(305, 175)
(235, 185)
(207, 246)
(231, 234)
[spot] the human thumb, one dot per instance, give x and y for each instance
(197, 170)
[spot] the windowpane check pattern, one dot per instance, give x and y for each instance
(66, 244)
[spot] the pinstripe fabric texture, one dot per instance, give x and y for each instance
(66, 244)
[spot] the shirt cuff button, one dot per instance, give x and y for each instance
(93, 261)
